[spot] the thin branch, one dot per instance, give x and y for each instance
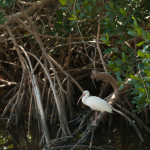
(99, 50)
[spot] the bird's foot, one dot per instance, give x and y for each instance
(93, 122)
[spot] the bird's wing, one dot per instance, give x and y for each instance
(98, 104)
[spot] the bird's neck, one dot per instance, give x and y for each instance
(84, 99)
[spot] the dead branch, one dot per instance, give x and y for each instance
(98, 48)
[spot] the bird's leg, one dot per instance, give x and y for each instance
(94, 121)
(95, 116)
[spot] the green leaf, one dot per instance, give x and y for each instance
(107, 51)
(73, 17)
(82, 15)
(147, 79)
(106, 41)
(135, 24)
(63, 2)
(134, 77)
(107, 37)
(123, 57)
(115, 50)
(119, 79)
(147, 100)
(141, 89)
(141, 43)
(145, 47)
(141, 54)
(116, 69)
(103, 39)
(148, 56)
(73, 22)
(148, 85)
(121, 87)
(147, 74)
(123, 12)
(107, 6)
(145, 35)
(139, 31)
(132, 33)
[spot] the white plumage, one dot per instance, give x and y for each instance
(95, 103)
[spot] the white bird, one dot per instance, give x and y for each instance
(95, 103)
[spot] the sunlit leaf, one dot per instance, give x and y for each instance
(141, 89)
(147, 100)
(141, 43)
(139, 31)
(145, 47)
(63, 2)
(148, 56)
(134, 77)
(73, 17)
(135, 23)
(141, 54)
(107, 36)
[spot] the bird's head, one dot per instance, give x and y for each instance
(85, 93)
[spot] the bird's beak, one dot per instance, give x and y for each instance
(80, 98)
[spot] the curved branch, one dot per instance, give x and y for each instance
(104, 76)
